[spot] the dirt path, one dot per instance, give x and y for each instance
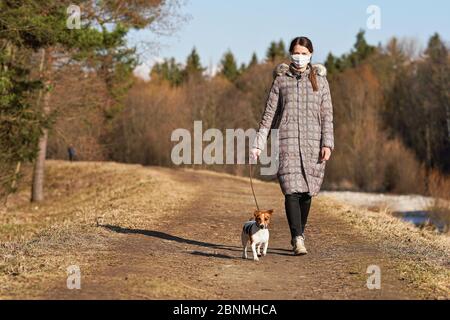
(195, 252)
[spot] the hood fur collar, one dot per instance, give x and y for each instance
(282, 68)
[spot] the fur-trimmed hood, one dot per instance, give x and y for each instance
(281, 68)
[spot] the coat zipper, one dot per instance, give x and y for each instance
(307, 116)
(298, 110)
(307, 130)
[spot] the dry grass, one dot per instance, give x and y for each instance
(439, 185)
(423, 256)
(38, 242)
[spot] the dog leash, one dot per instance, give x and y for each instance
(251, 183)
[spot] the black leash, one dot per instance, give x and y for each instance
(251, 184)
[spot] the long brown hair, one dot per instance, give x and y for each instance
(305, 42)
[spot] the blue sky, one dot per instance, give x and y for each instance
(247, 26)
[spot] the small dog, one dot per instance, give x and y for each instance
(257, 233)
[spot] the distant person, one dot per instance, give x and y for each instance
(305, 133)
(71, 152)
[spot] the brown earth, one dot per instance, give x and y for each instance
(158, 233)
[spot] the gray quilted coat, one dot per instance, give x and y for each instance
(305, 125)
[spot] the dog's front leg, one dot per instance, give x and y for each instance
(266, 244)
(258, 249)
(244, 254)
(244, 245)
(255, 255)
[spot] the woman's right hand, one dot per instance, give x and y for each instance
(255, 153)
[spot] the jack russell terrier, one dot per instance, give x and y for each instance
(257, 233)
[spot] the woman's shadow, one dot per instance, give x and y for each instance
(166, 236)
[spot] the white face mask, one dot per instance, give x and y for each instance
(300, 60)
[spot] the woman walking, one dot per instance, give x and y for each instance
(300, 94)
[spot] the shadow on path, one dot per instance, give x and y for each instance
(166, 236)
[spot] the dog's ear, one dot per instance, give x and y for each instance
(270, 211)
(256, 213)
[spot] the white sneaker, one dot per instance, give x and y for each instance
(299, 245)
(293, 240)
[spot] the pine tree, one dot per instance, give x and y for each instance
(361, 50)
(169, 70)
(282, 53)
(434, 77)
(20, 124)
(229, 67)
(193, 68)
(253, 60)
(100, 44)
(276, 51)
(331, 64)
(242, 68)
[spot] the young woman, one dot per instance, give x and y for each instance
(301, 95)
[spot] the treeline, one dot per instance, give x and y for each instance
(74, 87)
(391, 107)
(392, 117)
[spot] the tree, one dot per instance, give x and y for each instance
(114, 63)
(193, 68)
(434, 77)
(276, 50)
(418, 102)
(61, 44)
(361, 50)
(359, 53)
(395, 52)
(20, 123)
(99, 44)
(25, 26)
(169, 70)
(253, 60)
(108, 53)
(229, 67)
(331, 63)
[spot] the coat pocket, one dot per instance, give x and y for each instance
(285, 118)
(283, 165)
(318, 169)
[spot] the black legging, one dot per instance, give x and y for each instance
(297, 209)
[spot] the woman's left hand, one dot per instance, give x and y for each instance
(325, 154)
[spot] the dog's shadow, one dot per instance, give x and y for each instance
(166, 236)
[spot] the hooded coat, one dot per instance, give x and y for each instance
(305, 121)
